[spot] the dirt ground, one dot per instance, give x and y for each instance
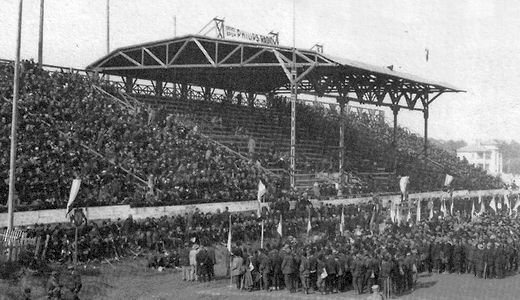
(130, 279)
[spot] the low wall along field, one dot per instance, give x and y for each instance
(50, 216)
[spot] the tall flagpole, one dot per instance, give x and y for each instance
(14, 121)
(262, 236)
(40, 40)
(174, 26)
(230, 254)
(293, 102)
(108, 26)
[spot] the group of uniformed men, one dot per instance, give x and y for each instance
(357, 259)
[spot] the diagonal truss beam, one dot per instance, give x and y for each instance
(205, 52)
(130, 59)
(154, 57)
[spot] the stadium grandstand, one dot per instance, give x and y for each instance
(197, 119)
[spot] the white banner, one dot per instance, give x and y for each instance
(232, 32)
(74, 189)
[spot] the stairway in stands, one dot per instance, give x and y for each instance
(233, 125)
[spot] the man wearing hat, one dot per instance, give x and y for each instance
(479, 260)
(184, 261)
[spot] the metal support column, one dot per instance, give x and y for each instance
(342, 101)
(394, 142)
(426, 113)
(129, 84)
(159, 87)
(294, 95)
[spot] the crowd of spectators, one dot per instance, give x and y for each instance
(371, 139)
(123, 154)
(126, 153)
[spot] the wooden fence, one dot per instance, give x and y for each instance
(13, 242)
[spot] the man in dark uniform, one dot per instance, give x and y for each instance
(489, 261)
(203, 263)
(304, 271)
(212, 262)
(500, 261)
(313, 268)
(358, 273)
(331, 268)
(436, 255)
(288, 270)
(276, 261)
(479, 261)
(458, 257)
(386, 269)
(265, 268)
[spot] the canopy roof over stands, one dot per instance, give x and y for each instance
(258, 68)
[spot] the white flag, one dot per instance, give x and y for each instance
(342, 221)
(229, 236)
(517, 205)
(493, 204)
(398, 216)
(403, 184)
(279, 228)
(472, 209)
(74, 189)
(261, 191)
(392, 212)
(443, 208)
(482, 206)
(448, 180)
(418, 217)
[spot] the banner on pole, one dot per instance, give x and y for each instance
(74, 189)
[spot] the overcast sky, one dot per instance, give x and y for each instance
(473, 45)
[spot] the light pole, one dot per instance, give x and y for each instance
(14, 122)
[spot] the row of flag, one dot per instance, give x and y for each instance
(447, 209)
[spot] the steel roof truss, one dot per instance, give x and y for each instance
(205, 52)
(154, 57)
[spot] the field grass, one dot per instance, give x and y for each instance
(131, 279)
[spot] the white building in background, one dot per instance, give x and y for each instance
(485, 155)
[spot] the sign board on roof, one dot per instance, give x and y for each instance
(235, 33)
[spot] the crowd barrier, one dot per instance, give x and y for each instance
(50, 216)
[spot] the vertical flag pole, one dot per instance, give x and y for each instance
(174, 26)
(230, 254)
(40, 40)
(108, 26)
(262, 236)
(293, 102)
(76, 247)
(14, 122)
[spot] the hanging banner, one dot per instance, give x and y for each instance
(235, 33)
